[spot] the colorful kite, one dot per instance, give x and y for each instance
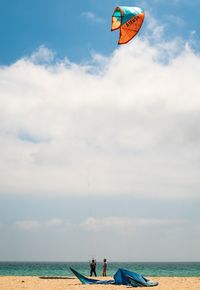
(121, 277)
(129, 20)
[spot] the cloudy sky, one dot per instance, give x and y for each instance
(99, 144)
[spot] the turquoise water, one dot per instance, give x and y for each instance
(181, 269)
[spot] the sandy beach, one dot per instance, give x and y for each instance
(71, 283)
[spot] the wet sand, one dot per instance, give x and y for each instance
(71, 283)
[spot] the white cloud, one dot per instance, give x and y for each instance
(38, 224)
(42, 55)
(154, 30)
(94, 224)
(132, 128)
(176, 20)
(55, 222)
(27, 224)
(106, 224)
(177, 2)
(92, 17)
(122, 223)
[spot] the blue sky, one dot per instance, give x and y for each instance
(69, 28)
(99, 144)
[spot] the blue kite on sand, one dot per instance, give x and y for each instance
(121, 277)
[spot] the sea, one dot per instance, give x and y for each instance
(62, 269)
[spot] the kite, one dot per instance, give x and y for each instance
(129, 20)
(121, 277)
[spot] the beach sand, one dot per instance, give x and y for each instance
(71, 283)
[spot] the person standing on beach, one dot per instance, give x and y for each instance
(93, 268)
(104, 268)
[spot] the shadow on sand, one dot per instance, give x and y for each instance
(55, 277)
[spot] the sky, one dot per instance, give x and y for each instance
(99, 143)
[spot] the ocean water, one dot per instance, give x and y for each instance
(178, 269)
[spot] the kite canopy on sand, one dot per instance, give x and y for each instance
(121, 277)
(129, 20)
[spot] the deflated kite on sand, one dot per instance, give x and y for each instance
(121, 277)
